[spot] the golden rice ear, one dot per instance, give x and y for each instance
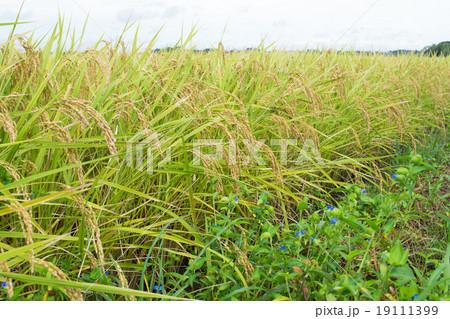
(63, 136)
(79, 107)
(7, 123)
(413, 141)
(143, 120)
(274, 163)
(232, 155)
(91, 258)
(379, 176)
(9, 126)
(28, 166)
(72, 293)
(29, 66)
(243, 260)
(104, 127)
(396, 113)
(358, 142)
(210, 164)
(97, 61)
(26, 224)
(122, 279)
(283, 126)
(364, 108)
(74, 108)
(92, 226)
(24, 214)
(9, 284)
(16, 176)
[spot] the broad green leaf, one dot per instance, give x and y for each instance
(85, 286)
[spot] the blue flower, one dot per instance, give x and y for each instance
(156, 288)
(106, 273)
(368, 239)
(334, 220)
(298, 233)
(415, 296)
(364, 191)
(330, 207)
(394, 176)
(283, 248)
(266, 203)
(236, 199)
(4, 284)
(313, 239)
(428, 158)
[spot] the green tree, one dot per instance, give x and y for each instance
(441, 49)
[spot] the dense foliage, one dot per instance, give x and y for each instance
(441, 49)
(83, 217)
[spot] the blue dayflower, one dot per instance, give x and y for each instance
(236, 199)
(394, 176)
(4, 284)
(314, 238)
(297, 234)
(106, 273)
(334, 220)
(364, 191)
(283, 248)
(302, 232)
(368, 239)
(330, 207)
(415, 296)
(428, 158)
(157, 288)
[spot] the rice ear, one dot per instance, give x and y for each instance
(104, 126)
(9, 284)
(63, 136)
(72, 293)
(94, 229)
(122, 279)
(7, 123)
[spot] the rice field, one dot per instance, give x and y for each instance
(109, 190)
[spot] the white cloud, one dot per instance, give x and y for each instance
(172, 11)
(126, 14)
(280, 23)
(387, 25)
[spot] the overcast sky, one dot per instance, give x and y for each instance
(359, 24)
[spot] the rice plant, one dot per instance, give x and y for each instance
(83, 211)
